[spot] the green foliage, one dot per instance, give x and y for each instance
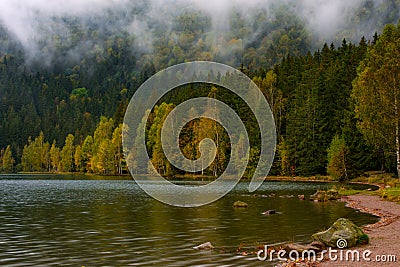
(67, 154)
(35, 155)
(80, 92)
(284, 157)
(337, 159)
(391, 194)
(363, 239)
(309, 93)
(377, 94)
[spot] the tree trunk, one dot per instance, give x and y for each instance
(398, 149)
(397, 137)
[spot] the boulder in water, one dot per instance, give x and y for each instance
(240, 204)
(342, 234)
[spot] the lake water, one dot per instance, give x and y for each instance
(49, 221)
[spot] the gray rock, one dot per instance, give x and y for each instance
(343, 230)
(204, 246)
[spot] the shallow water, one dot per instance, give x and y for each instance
(48, 221)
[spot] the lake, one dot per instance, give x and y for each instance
(53, 220)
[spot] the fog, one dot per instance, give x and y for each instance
(31, 21)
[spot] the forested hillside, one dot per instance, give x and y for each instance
(63, 93)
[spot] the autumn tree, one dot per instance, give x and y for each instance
(337, 159)
(54, 157)
(78, 159)
(35, 155)
(7, 160)
(87, 153)
(67, 154)
(116, 142)
(376, 92)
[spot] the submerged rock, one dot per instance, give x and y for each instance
(342, 234)
(269, 212)
(333, 194)
(240, 204)
(204, 246)
(323, 196)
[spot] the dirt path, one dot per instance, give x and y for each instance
(384, 235)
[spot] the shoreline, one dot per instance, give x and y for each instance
(384, 235)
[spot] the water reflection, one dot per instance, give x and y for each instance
(113, 223)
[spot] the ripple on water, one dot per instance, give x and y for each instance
(113, 223)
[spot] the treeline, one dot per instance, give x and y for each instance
(317, 106)
(312, 101)
(100, 153)
(94, 70)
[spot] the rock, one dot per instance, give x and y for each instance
(321, 246)
(319, 196)
(342, 234)
(333, 194)
(204, 246)
(240, 204)
(269, 212)
(301, 197)
(323, 196)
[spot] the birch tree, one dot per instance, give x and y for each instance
(376, 92)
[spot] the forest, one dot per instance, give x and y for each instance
(61, 110)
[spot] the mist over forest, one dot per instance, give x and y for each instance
(70, 68)
(228, 31)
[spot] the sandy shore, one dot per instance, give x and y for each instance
(384, 235)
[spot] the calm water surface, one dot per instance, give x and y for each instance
(67, 222)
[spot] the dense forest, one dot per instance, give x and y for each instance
(62, 105)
